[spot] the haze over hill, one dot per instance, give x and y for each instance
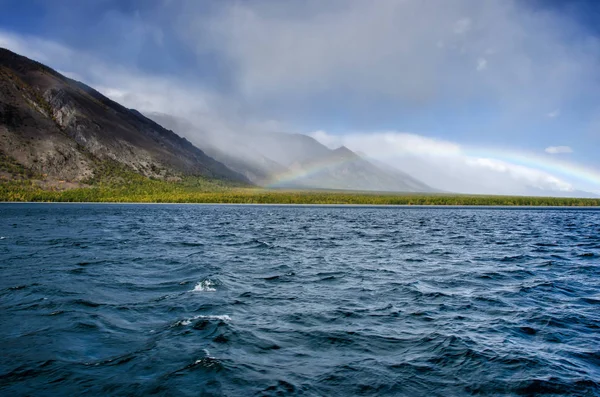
(292, 160)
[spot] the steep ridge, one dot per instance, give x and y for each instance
(61, 128)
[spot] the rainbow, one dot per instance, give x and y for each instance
(315, 168)
(547, 163)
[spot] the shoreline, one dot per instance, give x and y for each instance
(151, 192)
(481, 206)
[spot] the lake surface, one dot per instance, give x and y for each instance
(274, 300)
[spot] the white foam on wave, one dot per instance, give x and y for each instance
(207, 361)
(222, 317)
(188, 321)
(205, 286)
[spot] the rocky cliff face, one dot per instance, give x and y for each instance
(61, 128)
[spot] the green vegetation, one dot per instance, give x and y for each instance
(113, 182)
(198, 190)
(9, 166)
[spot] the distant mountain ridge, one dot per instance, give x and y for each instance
(293, 160)
(62, 128)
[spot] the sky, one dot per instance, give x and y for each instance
(490, 96)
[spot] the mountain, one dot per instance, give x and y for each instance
(293, 160)
(311, 164)
(289, 150)
(59, 127)
(344, 169)
(413, 183)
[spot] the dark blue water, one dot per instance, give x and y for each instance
(269, 300)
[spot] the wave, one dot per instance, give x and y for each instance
(205, 286)
(188, 321)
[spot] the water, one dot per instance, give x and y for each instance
(271, 300)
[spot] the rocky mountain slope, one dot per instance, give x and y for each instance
(63, 129)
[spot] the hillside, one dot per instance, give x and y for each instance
(58, 128)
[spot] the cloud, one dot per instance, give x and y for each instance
(554, 114)
(134, 88)
(44, 51)
(447, 165)
(462, 26)
(299, 51)
(558, 149)
(388, 144)
(481, 64)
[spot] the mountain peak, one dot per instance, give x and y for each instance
(344, 151)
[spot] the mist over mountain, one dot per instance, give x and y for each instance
(63, 129)
(225, 147)
(286, 160)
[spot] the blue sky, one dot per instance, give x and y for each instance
(501, 80)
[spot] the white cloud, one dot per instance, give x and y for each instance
(142, 91)
(530, 176)
(388, 144)
(130, 87)
(41, 50)
(558, 149)
(554, 114)
(481, 64)
(462, 26)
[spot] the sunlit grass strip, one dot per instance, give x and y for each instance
(205, 191)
